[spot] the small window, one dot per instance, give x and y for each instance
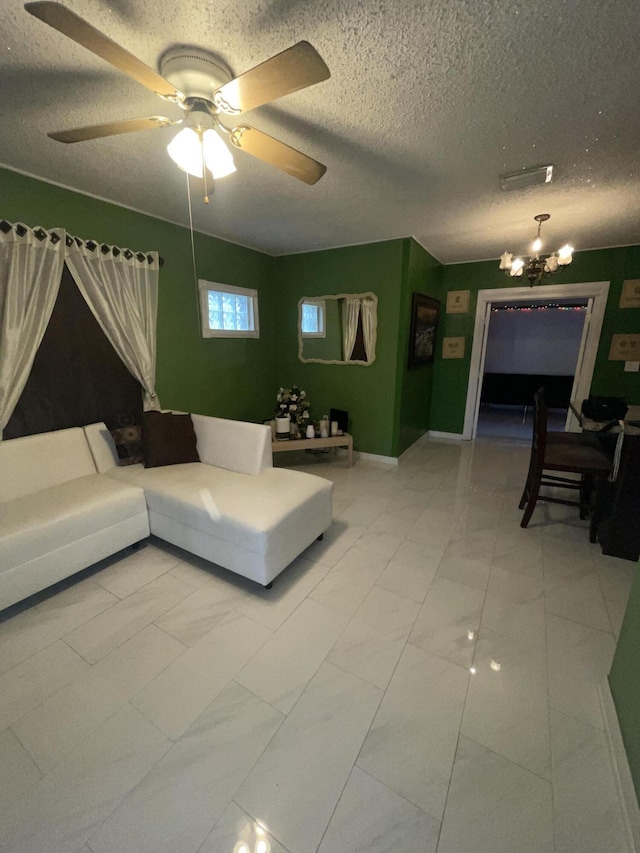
(227, 311)
(312, 320)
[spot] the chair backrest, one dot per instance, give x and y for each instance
(540, 416)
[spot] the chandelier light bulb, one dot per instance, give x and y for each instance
(564, 255)
(537, 244)
(516, 267)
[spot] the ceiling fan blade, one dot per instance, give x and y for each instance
(76, 28)
(277, 154)
(293, 69)
(112, 128)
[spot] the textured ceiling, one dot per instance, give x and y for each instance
(427, 104)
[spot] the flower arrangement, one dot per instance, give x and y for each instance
(293, 402)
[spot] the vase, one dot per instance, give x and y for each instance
(294, 431)
(283, 428)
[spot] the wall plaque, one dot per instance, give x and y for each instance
(458, 301)
(454, 347)
(630, 296)
(624, 348)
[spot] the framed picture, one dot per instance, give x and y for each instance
(422, 337)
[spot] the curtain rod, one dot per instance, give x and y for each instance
(40, 233)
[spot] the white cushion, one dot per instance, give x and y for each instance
(257, 512)
(102, 447)
(39, 461)
(37, 524)
(235, 445)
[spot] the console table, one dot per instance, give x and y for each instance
(344, 440)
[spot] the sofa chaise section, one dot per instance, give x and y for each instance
(233, 507)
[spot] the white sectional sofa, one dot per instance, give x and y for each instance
(58, 514)
(65, 504)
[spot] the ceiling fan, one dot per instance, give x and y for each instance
(192, 79)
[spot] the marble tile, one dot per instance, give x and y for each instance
(176, 804)
(32, 630)
(379, 543)
(364, 511)
(194, 616)
(348, 583)
(394, 523)
(579, 658)
(495, 806)
(235, 828)
(434, 528)
(450, 611)
(372, 642)
(136, 569)
(297, 782)
(106, 632)
(73, 799)
(413, 738)
(272, 606)
(507, 707)
(519, 551)
(371, 818)
(57, 725)
(587, 813)
(337, 540)
(199, 674)
(287, 662)
(468, 560)
(579, 599)
(616, 578)
(34, 680)
(514, 605)
(18, 772)
(411, 570)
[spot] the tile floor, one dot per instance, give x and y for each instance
(425, 679)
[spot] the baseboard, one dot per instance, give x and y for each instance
(626, 789)
(434, 433)
(375, 457)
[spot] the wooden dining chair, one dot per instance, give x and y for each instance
(567, 452)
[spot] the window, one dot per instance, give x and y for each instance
(227, 311)
(312, 320)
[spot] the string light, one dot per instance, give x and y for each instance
(550, 307)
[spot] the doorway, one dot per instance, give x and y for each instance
(530, 344)
(589, 300)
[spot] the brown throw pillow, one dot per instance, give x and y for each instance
(168, 439)
(127, 436)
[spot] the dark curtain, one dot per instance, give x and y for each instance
(77, 378)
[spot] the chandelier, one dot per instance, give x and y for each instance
(538, 266)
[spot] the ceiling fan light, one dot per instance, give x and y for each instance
(217, 156)
(185, 150)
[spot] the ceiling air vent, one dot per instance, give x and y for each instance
(526, 178)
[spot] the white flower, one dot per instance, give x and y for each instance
(293, 407)
(294, 397)
(283, 405)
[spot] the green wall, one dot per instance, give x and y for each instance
(367, 392)
(452, 375)
(229, 378)
(422, 273)
(625, 682)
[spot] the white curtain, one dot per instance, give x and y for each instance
(350, 314)
(31, 262)
(369, 328)
(121, 289)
